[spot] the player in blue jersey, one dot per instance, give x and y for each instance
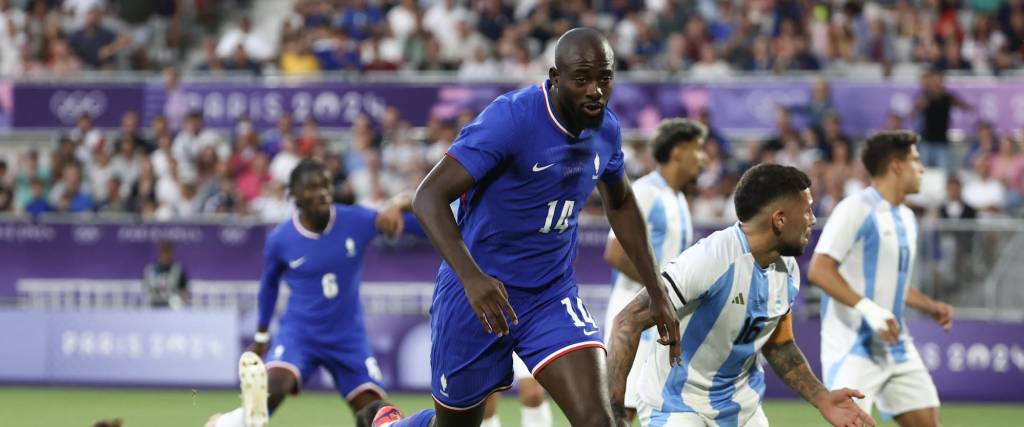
(319, 252)
(524, 168)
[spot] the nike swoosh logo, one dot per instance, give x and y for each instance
(538, 168)
(296, 263)
(589, 333)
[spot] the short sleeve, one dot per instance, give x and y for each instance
(615, 169)
(690, 275)
(645, 196)
(366, 219)
(840, 232)
(487, 140)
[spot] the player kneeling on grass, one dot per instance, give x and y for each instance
(319, 252)
(733, 292)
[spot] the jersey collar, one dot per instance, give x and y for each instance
(544, 88)
(309, 234)
(738, 228)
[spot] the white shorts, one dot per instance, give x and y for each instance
(693, 419)
(519, 368)
(616, 302)
(896, 388)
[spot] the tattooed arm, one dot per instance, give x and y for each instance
(789, 364)
(625, 337)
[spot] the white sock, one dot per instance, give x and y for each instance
(232, 419)
(539, 416)
(493, 421)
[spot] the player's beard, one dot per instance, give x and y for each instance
(788, 249)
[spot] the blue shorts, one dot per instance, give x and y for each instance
(468, 364)
(350, 362)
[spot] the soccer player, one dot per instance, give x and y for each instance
(319, 253)
(733, 292)
(524, 168)
(864, 261)
(535, 411)
(678, 147)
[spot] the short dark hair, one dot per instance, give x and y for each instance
(672, 132)
(305, 166)
(882, 147)
(765, 183)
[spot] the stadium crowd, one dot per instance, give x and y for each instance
(152, 170)
(485, 38)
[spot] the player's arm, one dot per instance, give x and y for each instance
(623, 212)
(616, 256)
(941, 312)
(431, 204)
(629, 324)
(791, 366)
(824, 273)
(392, 219)
(266, 301)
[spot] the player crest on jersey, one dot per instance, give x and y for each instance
(597, 165)
(350, 247)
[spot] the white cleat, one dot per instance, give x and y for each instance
(253, 376)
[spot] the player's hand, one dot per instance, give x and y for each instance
(260, 348)
(668, 327)
(880, 320)
(390, 222)
(489, 300)
(839, 410)
(943, 314)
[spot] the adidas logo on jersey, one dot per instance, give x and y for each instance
(739, 299)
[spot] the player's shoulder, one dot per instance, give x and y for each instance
(856, 205)
(610, 125)
(790, 265)
(714, 253)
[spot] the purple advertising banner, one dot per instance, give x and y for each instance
(43, 105)
(121, 347)
(737, 108)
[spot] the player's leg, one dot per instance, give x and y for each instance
(257, 383)
(578, 383)
(535, 409)
(909, 394)
(491, 418)
(357, 377)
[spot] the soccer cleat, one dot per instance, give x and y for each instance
(253, 377)
(385, 416)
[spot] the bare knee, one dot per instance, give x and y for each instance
(530, 393)
(279, 385)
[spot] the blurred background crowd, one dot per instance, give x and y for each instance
(172, 167)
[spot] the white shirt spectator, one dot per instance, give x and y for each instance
(282, 165)
(256, 47)
(80, 8)
(442, 19)
(186, 146)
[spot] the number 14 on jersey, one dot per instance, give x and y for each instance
(563, 219)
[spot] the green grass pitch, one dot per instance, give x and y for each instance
(44, 406)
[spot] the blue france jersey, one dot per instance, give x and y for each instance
(323, 272)
(532, 178)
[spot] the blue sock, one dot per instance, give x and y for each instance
(419, 419)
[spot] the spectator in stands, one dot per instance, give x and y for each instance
(935, 106)
(165, 281)
(984, 192)
(984, 143)
(193, 138)
(1007, 165)
(176, 107)
(954, 207)
(335, 51)
(6, 189)
(272, 139)
(94, 43)
(28, 169)
(128, 163)
(272, 206)
(142, 198)
(37, 203)
(254, 46)
(86, 138)
(67, 195)
(226, 200)
(211, 62)
(131, 132)
(298, 59)
(361, 20)
(99, 171)
(239, 61)
(251, 181)
(113, 201)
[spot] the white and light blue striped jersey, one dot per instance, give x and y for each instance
(875, 245)
(667, 216)
(728, 308)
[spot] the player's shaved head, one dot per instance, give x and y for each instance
(581, 79)
(582, 44)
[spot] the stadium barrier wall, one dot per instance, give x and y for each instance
(738, 107)
(80, 319)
